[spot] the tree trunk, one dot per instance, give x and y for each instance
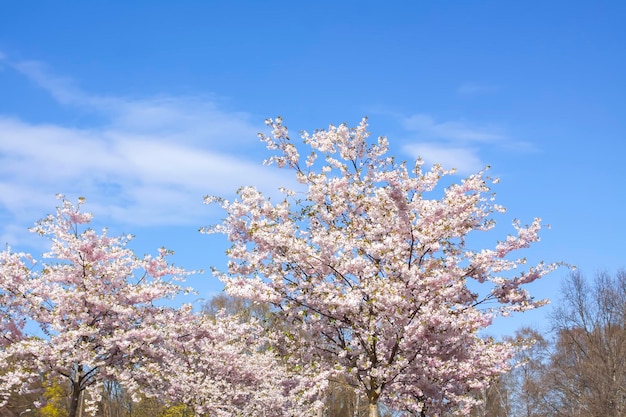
(373, 395)
(75, 400)
(373, 409)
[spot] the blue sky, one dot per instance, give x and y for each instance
(144, 107)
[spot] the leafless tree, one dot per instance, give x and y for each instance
(588, 366)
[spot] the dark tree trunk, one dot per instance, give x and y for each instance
(75, 399)
(77, 389)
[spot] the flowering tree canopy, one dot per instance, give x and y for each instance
(93, 308)
(372, 269)
(98, 315)
(224, 366)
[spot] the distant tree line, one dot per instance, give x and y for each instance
(579, 368)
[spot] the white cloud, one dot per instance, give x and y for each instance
(149, 162)
(452, 130)
(455, 144)
(186, 119)
(62, 89)
(464, 160)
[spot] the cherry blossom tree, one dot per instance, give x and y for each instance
(95, 309)
(371, 266)
(224, 366)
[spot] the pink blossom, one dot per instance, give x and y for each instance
(371, 270)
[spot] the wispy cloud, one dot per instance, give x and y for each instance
(187, 118)
(464, 160)
(62, 89)
(455, 144)
(452, 130)
(148, 162)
